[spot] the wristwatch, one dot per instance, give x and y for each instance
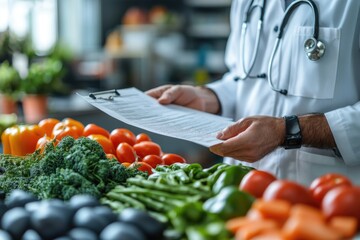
(293, 137)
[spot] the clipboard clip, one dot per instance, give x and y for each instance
(105, 95)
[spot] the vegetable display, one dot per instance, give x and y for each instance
(85, 182)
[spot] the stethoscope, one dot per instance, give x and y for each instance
(314, 48)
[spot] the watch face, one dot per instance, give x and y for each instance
(293, 136)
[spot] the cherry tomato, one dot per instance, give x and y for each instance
(170, 158)
(141, 166)
(125, 153)
(147, 148)
(111, 156)
(342, 201)
(48, 124)
(120, 135)
(153, 160)
(92, 128)
(42, 142)
(126, 164)
(321, 185)
(105, 143)
(61, 130)
(255, 182)
(75, 123)
(289, 191)
(142, 137)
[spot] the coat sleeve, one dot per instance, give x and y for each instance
(345, 127)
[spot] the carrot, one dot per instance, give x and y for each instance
(307, 229)
(234, 224)
(276, 209)
(251, 230)
(346, 226)
(273, 234)
(307, 212)
(254, 214)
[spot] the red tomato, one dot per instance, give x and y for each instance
(289, 191)
(142, 137)
(170, 158)
(126, 164)
(92, 128)
(48, 124)
(111, 156)
(61, 130)
(147, 148)
(106, 144)
(120, 135)
(153, 160)
(75, 123)
(321, 185)
(255, 182)
(141, 166)
(42, 142)
(342, 201)
(125, 153)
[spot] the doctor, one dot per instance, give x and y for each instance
(293, 88)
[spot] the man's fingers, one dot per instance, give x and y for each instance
(170, 95)
(157, 92)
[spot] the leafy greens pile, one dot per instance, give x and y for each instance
(74, 166)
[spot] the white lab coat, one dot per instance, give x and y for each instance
(330, 85)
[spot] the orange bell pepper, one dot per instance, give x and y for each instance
(20, 140)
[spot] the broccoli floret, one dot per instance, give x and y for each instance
(63, 184)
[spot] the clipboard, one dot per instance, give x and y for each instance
(105, 95)
(135, 108)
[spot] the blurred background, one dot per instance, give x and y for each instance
(106, 44)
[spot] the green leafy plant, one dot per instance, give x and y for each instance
(43, 77)
(9, 79)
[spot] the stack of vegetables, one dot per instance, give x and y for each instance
(131, 175)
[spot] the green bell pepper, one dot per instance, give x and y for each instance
(229, 202)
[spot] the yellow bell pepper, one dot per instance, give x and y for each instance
(20, 140)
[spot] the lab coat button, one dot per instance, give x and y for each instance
(276, 28)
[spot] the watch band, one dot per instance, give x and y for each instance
(293, 137)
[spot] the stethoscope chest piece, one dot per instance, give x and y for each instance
(314, 49)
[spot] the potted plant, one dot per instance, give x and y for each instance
(42, 79)
(9, 87)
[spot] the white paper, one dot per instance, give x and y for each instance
(135, 108)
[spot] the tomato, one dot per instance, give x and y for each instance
(147, 148)
(289, 191)
(126, 164)
(142, 137)
(125, 153)
(170, 158)
(321, 185)
(142, 166)
(92, 128)
(61, 130)
(255, 182)
(342, 201)
(111, 156)
(42, 142)
(105, 142)
(75, 123)
(120, 135)
(48, 124)
(153, 160)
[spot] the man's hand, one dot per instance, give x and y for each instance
(250, 139)
(199, 98)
